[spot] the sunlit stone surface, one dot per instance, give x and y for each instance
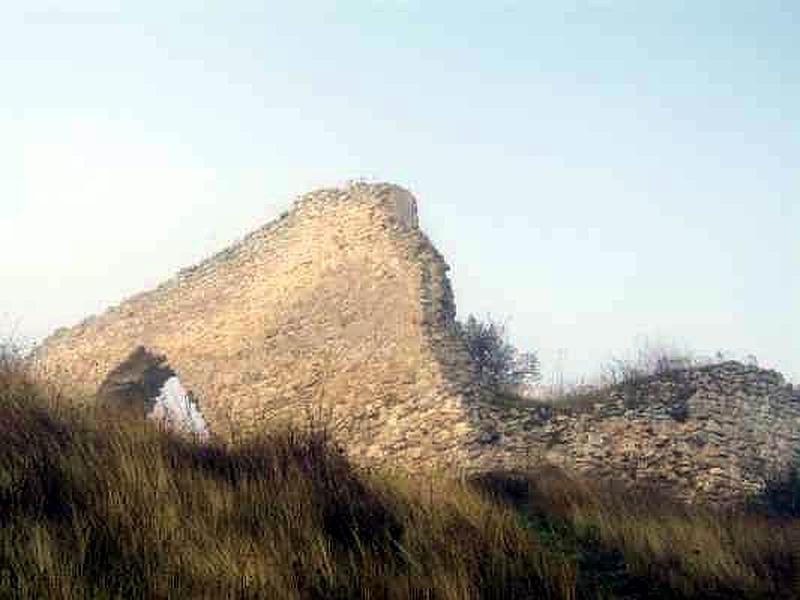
(175, 408)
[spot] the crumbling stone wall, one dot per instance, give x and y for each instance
(719, 432)
(341, 310)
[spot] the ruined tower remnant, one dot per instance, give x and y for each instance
(340, 309)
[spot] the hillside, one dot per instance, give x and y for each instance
(94, 504)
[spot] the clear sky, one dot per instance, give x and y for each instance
(598, 173)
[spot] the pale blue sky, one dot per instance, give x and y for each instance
(598, 173)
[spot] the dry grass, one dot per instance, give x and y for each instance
(92, 505)
(639, 544)
(95, 506)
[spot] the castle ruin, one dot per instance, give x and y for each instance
(341, 310)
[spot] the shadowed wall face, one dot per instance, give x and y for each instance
(144, 385)
(135, 383)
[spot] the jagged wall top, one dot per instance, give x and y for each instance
(396, 200)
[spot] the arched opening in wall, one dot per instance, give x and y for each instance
(144, 384)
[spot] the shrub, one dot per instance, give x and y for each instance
(499, 363)
(651, 359)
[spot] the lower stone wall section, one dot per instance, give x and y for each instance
(717, 433)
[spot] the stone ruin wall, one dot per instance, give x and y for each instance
(719, 432)
(342, 310)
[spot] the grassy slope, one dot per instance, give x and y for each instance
(93, 506)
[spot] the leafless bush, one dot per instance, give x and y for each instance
(498, 361)
(651, 359)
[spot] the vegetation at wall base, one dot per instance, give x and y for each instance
(93, 505)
